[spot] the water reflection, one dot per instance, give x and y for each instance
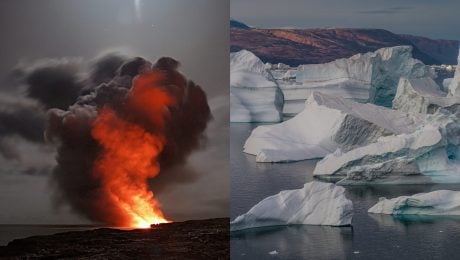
(403, 221)
(301, 241)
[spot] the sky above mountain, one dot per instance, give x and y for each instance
(435, 19)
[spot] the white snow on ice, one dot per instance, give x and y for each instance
(441, 202)
(254, 93)
(317, 203)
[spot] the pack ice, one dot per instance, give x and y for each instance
(441, 202)
(254, 93)
(370, 77)
(317, 203)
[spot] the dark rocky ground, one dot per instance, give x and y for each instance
(195, 239)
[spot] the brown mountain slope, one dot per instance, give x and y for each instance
(445, 51)
(304, 46)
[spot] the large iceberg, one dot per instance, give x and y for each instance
(423, 95)
(441, 202)
(254, 93)
(419, 157)
(317, 203)
(370, 77)
(429, 154)
(454, 87)
(364, 143)
(326, 124)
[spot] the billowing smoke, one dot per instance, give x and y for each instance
(115, 126)
(23, 117)
(22, 147)
(55, 83)
(105, 68)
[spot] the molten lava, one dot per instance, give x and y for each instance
(130, 152)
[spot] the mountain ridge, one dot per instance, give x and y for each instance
(319, 45)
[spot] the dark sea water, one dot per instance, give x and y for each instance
(11, 232)
(371, 236)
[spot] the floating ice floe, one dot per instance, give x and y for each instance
(254, 93)
(274, 252)
(316, 203)
(441, 202)
(370, 77)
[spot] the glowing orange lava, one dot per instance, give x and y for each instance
(130, 153)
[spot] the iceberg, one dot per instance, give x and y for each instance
(423, 95)
(441, 202)
(282, 75)
(317, 203)
(254, 94)
(290, 74)
(454, 87)
(446, 83)
(427, 155)
(370, 77)
(326, 124)
(365, 143)
(295, 94)
(385, 161)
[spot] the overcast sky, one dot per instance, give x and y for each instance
(193, 32)
(436, 19)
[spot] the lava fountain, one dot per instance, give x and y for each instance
(130, 153)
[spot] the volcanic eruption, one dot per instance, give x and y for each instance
(131, 124)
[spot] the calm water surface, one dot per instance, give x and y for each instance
(10, 232)
(371, 237)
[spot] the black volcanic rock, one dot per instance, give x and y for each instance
(196, 239)
(310, 46)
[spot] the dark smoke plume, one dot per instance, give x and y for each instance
(105, 68)
(70, 128)
(55, 83)
(22, 117)
(48, 83)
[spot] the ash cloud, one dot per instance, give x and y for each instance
(105, 68)
(46, 129)
(22, 148)
(55, 83)
(23, 117)
(32, 89)
(73, 179)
